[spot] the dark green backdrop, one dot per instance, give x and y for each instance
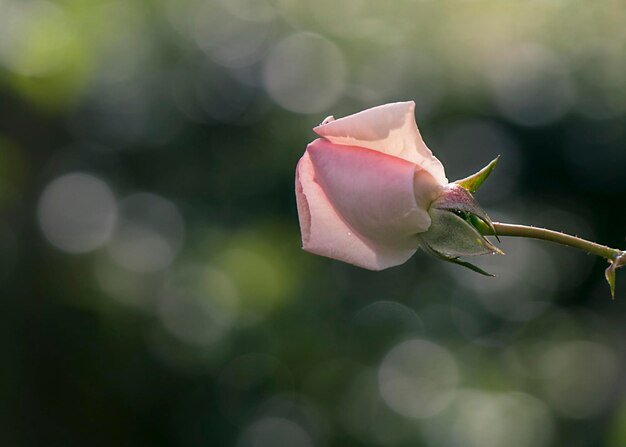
(153, 289)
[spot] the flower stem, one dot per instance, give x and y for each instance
(503, 229)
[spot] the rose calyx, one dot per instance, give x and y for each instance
(458, 221)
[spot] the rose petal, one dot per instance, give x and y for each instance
(326, 233)
(323, 231)
(372, 191)
(389, 128)
(359, 205)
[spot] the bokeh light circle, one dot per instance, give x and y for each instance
(228, 40)
(418, 378)
(77, 213)
(199, 305)
(272, 431)
(531, 85)
(305, 73)
(579, 378)
(35, 38)
(149, 234)
(379, 325)
(484, 419)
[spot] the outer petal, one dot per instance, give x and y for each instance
(358, 205)
(389, 128)
(325, 233)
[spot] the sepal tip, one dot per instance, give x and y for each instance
(473, 182)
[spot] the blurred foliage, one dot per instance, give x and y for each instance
(153, 287)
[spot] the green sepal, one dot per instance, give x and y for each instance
(452, 236)
(455, 260)
(609, 274)
(472, 182)
(617, 263)
(471, 266)
(484, 228)
(458, 199)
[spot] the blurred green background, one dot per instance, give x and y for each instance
(153, 289)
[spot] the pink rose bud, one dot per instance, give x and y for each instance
(364, 189)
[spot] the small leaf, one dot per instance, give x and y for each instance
(609, 274)
(472, 182)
